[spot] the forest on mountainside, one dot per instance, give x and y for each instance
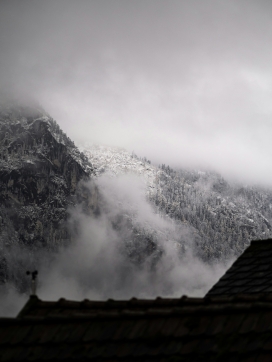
(227, 216)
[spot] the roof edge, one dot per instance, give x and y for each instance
(262, 241)
(33, 300)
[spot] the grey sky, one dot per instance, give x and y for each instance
(187, 83)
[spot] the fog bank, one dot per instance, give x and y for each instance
(185, 83)
(106, 261)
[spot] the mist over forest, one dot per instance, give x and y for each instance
(185, 84)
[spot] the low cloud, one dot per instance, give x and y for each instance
(11, 300)
(184, 83)
(102, 261)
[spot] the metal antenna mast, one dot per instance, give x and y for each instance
(33, 281)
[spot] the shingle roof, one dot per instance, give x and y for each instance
(251, 273)
(187, 329)
(223, 326)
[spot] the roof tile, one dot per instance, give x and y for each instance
(262, 267)
(142, 348)
(170, 326)
(237, 290)
(207, 345)
(267, 346)
(201, 327)
(217, 324)
(20, 334)
(36, 352)
(10, 353)
(48, 333)
(264, 357)
(95, 350)
(123, 329)
(256, 282)
(108, 332)
(230, 357)
(264, 322)
(138, 329)
(246, 268)
(250, 358)
(6, 334)
(233, 323)
(238, 343)
(249, 323)
(190, 346)
(110, 350)
(95, 330)
(172, 347)
(78, 332)
(63, 332)
(255, 289)
(254, 344)
(34, 335)
(51, 352)
(182, 328)
(154, 327)
(126, 349)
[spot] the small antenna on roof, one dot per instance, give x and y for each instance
(33, 281)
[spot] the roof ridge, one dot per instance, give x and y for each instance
(261, 241)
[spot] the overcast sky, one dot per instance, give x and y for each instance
(186, 83)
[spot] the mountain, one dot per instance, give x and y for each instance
(221, 216)
(43, 176)
(145, 230)
(40, 169)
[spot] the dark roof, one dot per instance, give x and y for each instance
(251, 273)
(223, 326)
(36, 308)
(186, 329)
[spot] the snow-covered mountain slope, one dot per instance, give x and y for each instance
(40, 174)
(40, 188)
(116, 161)
(223, 216)
(40, 168)
(147, 229)
(226, 215)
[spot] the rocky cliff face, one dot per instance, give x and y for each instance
(40, 168)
